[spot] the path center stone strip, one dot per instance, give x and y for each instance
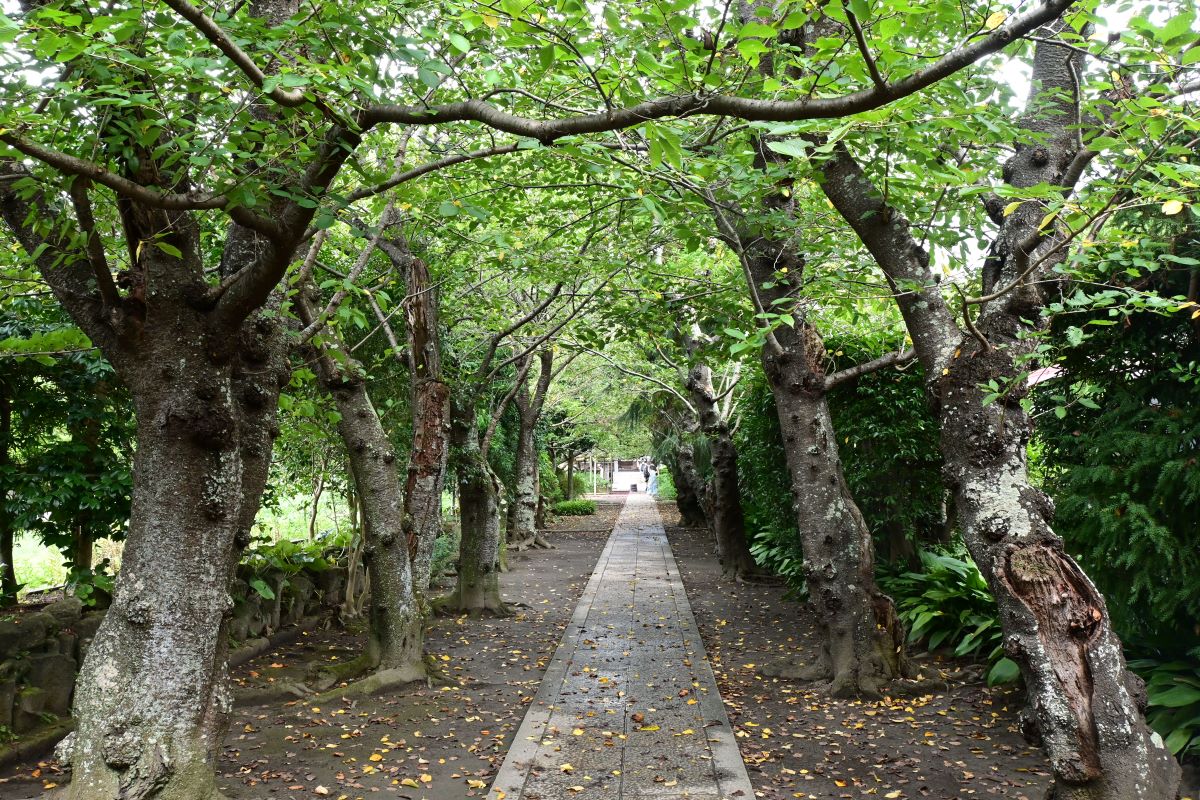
(628, 707)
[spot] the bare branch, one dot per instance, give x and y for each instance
(867, 367)
(861, 39)
(93, 246)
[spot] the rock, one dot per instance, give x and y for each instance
(27, 710)
(8, 696)
(54, 675)
(66, 611)
(21, 636)
(86, 629)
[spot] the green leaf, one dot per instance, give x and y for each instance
(460, 42)
(1176, 697)
(796, 148)
(1003, 671)
(169, 249)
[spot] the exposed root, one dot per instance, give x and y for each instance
(376, 682)
(451, 605)
(326, 675)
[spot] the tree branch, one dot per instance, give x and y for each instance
(867, 367)
(93, 244)
(861, 39)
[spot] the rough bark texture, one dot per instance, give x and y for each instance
(478, 587)
(683, 473)
(862, 640)
(725, 502)
(1084, 705)
(395, 622)
(522, 531)
(431, 425)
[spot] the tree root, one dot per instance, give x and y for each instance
(326, 675)
(451, 606)
(384, 679)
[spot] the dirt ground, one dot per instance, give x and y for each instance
(799, 744)
(445, 742)
(439, 742)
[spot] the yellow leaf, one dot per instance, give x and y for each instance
(476, 784)
(893, 795)
(577, 732)
(410, 783)
(1196, 313)
(490, 21)
(1172, 207)
(566, 768)
(995, 20)
(426, 778)
(649, 728)
(376, 757)
(1011, 207)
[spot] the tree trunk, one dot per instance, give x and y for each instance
(690, 489)
(394, 649)
(152, 700)
(570, 492)
(318, 490)
(862, 641)
(691, 514)
(522, 532)
(8, 575)
(1084, 705)
(725, 500)
(431, 426)
(478, 587)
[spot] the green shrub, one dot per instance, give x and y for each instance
(766, 488)
(445, 550)
(574, 508)
(1173, 689)
(948, 604)
(666, 485)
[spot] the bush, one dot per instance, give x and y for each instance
(666, 485)
(579, 486)
(574, 508)
(948, 604)
(766, 486)
(1173, 710)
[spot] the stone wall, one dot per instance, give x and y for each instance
(40, 651)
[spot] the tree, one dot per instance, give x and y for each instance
(1083, 703)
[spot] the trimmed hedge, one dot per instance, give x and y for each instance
(574, 508)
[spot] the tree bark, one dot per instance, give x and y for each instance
(394, 648)
(522, 532)
(862, 640)
(725, 502)
(1084, 705)
(570, 492)
(430, 450)
(478, 587)
(691, 511)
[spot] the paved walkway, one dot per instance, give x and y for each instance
(628, 707)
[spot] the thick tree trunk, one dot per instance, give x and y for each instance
(394, 649)
(431, 426)
(478, 587)
(691, 513)
(152, 700)
(522, 532)
(862, 641)
(1084, 705)
(725, 500)
(690, 488)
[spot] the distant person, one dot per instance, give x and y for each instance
(652, 481)
(646, 472)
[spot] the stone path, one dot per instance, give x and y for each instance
(628, 707)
